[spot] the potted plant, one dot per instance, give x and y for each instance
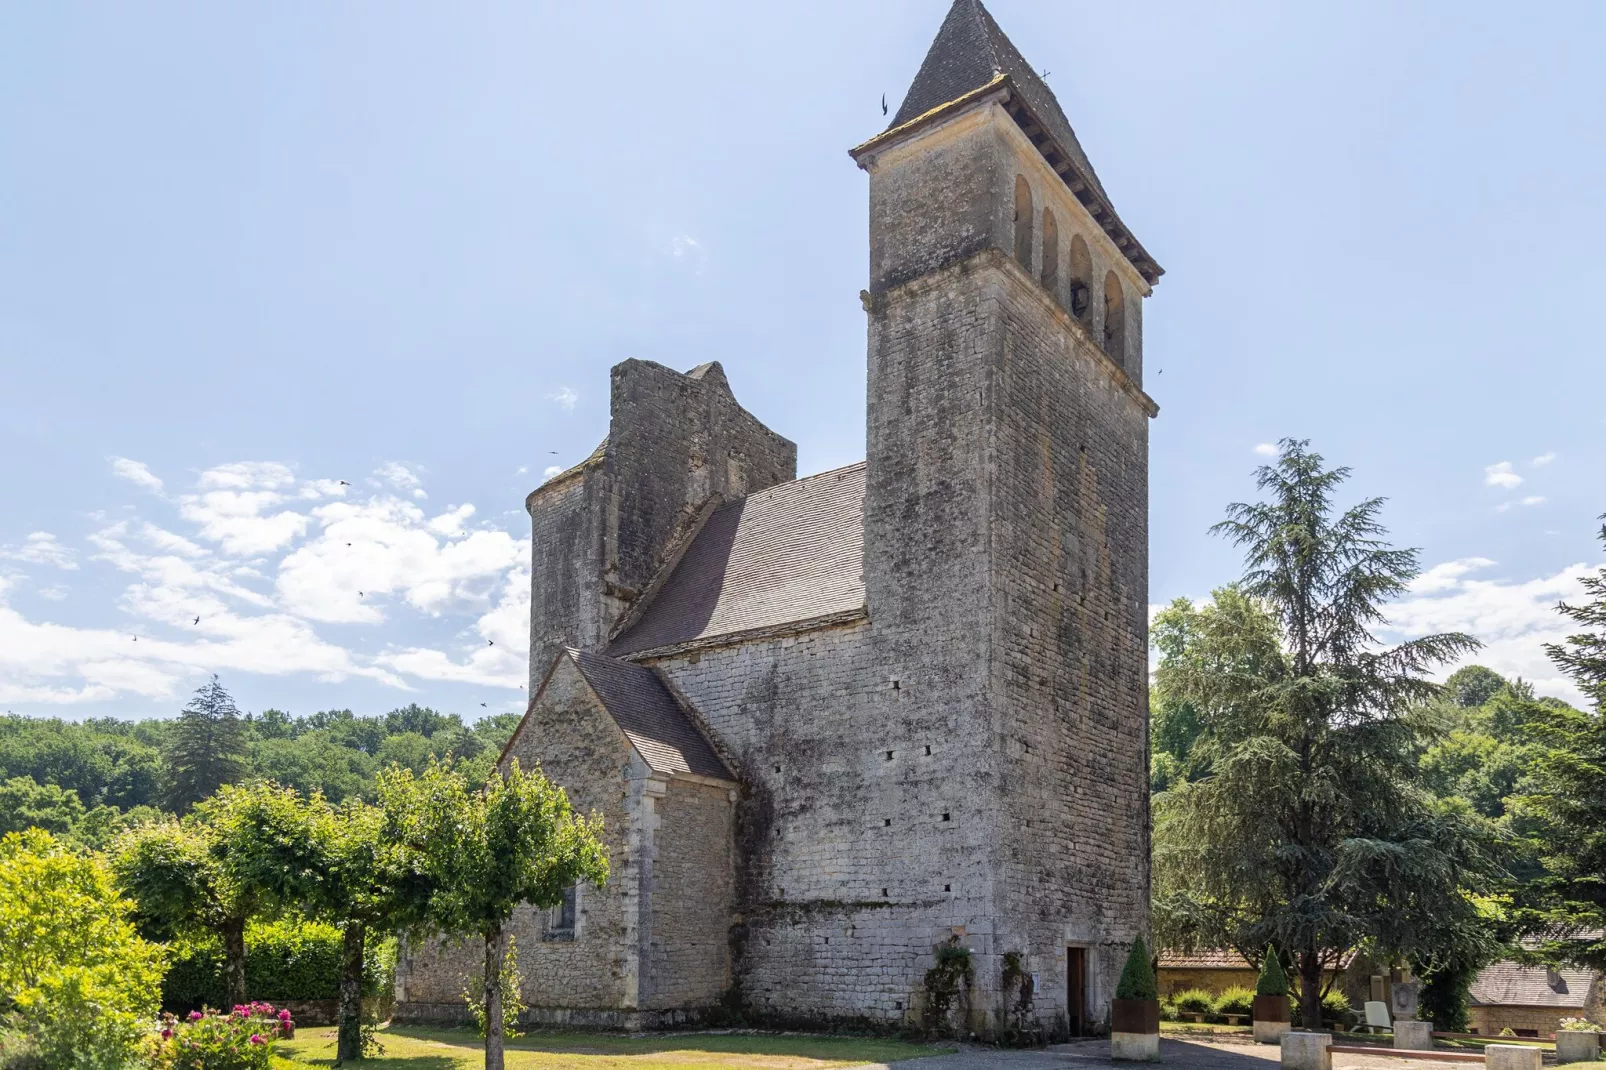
(1135, 1011)
(1270, 1009)
(1577, 1041)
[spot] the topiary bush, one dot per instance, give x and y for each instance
(1272, 981)
(1236, 1000)
(1194, 1001)
(1137, 976)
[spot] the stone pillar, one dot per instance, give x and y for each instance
(1308, 1051)
(1412, 1035)
(1512, 1057)
(1577, 1046)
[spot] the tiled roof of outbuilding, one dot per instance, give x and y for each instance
(792, 553)
(650, 717)
(1506, 984)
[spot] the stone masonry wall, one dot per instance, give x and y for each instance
(848, 873)
(693, 896)
(601, 534)
(1070, 669)
(581, 749)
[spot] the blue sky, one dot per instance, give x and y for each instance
(247, 252)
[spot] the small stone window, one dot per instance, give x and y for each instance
(1051, 254)
(1023, 222)
(560, 919)
(1081, 305)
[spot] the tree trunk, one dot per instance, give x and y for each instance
(349, 1042)
(493, 999)
(234, 960)
(1310, 990)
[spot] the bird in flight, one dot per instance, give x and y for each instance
(483, 704)
(359, 594)
(136, 638)
(883, 104)
(197, 620)
(343, 483)
(490, 642)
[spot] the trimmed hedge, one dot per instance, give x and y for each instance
(1272, 981)
(1137, 976)
(293, 958)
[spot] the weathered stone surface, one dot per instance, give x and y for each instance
(1412, 1035)
(1512, 1057)
(1577, 1046)
(1270, 1032)
(1307, 1051)
(1134, 1047)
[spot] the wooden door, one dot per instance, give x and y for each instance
(1076, 989)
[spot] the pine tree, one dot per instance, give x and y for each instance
(207, 748)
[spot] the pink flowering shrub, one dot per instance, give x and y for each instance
(239, 1040)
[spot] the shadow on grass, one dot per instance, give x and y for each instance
(802, 1045)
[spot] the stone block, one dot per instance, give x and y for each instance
(1512, 1057)
(1135, 1047)
(1412, 1035)
(1577, 1046)
(1270, 1032)
(1308, 1051)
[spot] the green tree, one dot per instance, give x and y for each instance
(207, 748)
(515, 840)
(245, 852)
(1472, 685)
(1312, 830)
(70, 959)
(1137, 975)
(1566, 798)
(25, 804)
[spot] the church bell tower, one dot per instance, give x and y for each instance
(1006, 510)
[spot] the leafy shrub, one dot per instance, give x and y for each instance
(291, 959)
(1335, 1007)
(1137, 976)
(1168, 1011)
(243, 1039)
(79, 978)
(1236, 1000)
(1578, 1025)
(1194, 1001)
(1272, 981)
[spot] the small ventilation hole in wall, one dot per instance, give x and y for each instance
(947, 888)
(777, 769)
(883, 893)
(886, 822)
(897, 1005)
(945, 817)
(895, 686)
(928, 748)
(888, 757)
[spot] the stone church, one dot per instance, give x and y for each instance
(835, 723)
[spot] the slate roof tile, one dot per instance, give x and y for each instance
(650, 716)
(788, 554)
(1506, 984)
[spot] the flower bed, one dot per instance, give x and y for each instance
(242, 1039)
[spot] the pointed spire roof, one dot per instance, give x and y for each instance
(970, 53)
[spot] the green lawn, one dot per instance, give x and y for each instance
(416, 1048)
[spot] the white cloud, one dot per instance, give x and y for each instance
(1513, 618)
(136, 472)
(40, 548)
(552, 470)
(221, 588)
(1543, 459)
(55, 592)
(1532, 499)
(1501, 475)
(1266, 449)
(563, 396)
(521, 470)
(398, 476)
